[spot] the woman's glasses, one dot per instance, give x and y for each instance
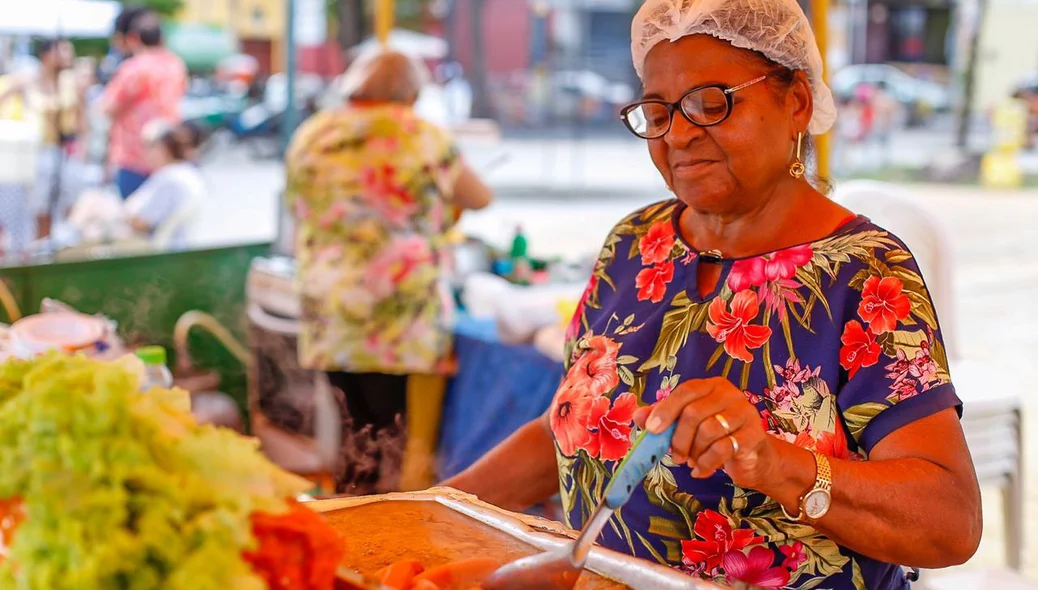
(703, 106)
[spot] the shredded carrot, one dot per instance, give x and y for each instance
(12, 513)
(297, 550)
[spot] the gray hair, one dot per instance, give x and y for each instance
(384, 75)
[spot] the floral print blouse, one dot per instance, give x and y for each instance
(835, 342)
(369, 186)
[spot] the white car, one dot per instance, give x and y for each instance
(914, 93)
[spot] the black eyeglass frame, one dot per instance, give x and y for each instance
(676, 106)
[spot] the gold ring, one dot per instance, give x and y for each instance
(724, 423)
(735, 445)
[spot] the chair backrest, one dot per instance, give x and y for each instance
(922, 230)
(181, 219)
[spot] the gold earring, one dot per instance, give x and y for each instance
(797, 169)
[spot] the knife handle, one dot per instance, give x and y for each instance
(648, 451)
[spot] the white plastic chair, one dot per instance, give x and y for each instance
(181, 219)
(991, 416)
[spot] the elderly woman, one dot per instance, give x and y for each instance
(794, 343)
(373, 188)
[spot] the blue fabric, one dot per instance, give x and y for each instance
(128, 181)
(497, 389)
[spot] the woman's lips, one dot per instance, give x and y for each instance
(690, 167)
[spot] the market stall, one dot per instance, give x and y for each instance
(145, 296)
(165, 502)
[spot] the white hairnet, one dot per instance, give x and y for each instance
(776, 28)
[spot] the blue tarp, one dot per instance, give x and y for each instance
(498, 388)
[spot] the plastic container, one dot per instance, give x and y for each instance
(156, 374)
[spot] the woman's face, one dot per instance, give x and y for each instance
(157, 154)
(734, 165)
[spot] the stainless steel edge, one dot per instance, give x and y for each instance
(638, 574)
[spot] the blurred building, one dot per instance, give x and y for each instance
(259, 25)
(547, 61)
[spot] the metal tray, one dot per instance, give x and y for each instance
(542, 534)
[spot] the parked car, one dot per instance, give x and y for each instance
(919, 97)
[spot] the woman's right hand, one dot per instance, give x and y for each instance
(718, 428)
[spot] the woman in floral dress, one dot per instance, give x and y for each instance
(795, 344)
(373, 188)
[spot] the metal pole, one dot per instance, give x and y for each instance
(384, 12)
(820, 24)
(288, 122)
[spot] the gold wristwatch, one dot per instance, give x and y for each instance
(816, 502)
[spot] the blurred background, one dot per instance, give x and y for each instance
(938, 101)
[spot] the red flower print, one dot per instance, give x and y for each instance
(595, 370)
(718, 538)
(611, 427)
(733, 328)
(859, 348)
(883, 304)
(656, 244)
(778, 266)
(746, 273)
(652, 282)
(795, 555)
(834, 444)
(569, 416)
(385, 195)
(755, 569)
(784, 263)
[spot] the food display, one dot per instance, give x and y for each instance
(427, 546)
(106, 487)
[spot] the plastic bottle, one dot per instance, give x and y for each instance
(155, 372)
(521, 269)
(518, 244)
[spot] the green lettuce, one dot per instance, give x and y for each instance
(123, 490)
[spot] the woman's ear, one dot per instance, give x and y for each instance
(801, 103)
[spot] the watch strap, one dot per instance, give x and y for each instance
(823, 481)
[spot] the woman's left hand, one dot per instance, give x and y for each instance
(717, 428)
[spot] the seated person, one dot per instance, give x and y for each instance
(172, 191)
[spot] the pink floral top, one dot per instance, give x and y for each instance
(836, 342)
(145, 87)
(369, 187)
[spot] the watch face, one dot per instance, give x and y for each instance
(816, 504)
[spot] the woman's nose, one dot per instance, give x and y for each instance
(682, 131)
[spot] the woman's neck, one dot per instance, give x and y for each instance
(773, 223)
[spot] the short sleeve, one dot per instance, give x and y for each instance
(123, 90)
(893, 359)
(161, 201)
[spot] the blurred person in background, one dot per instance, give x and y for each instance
(887, 114)
(118, 51)
(147, 86)
(158, 213)
(52, 98)
(372, 187)
(162, 207)
(16, 223)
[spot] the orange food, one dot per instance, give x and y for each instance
(297, 550)
(401, 574)
(461, 574)
(12, 513)
(424, 585)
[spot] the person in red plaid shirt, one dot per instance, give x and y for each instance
(147, 86)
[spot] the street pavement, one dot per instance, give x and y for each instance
(567, 194)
